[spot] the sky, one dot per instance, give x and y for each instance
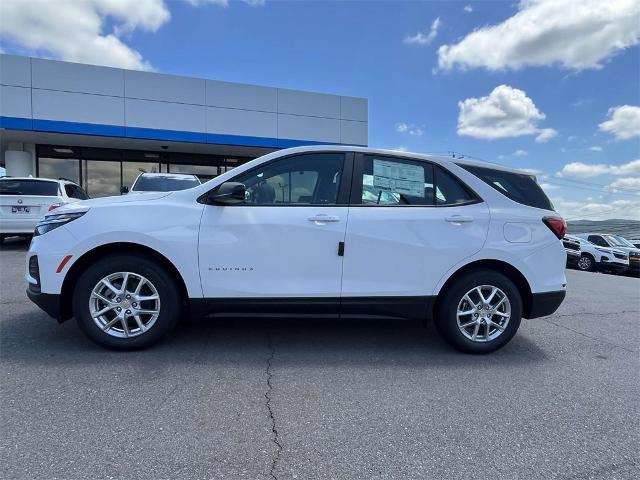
(550, 86)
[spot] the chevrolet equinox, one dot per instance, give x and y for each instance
(330, 230)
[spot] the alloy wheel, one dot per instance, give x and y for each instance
(483, 313)
(584, 263)
(124, 304)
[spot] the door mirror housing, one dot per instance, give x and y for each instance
(229, 193)
(124, 190)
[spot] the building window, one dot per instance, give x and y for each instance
(101, 178)
(56, 168)
(131, 170)
(203, 172)
(103, 171)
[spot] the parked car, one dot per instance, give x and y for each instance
(635, 242)
(572, 249)
(471, 245)
(598, 258)
(620, 244)
(24, 201)
(162, 182)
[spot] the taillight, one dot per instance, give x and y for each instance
(54, 206)
(557, 225)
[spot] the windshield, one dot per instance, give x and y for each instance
(618, 241)
(163, 184)
(28, 187)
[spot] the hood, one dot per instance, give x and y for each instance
(115, 200)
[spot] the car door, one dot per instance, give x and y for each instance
(283, 241)
(410, 221)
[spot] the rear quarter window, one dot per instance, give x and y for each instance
(519, 187)
(28, 187)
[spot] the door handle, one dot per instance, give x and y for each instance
(322, 218)
(459, 219)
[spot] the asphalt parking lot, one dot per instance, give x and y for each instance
(324, 399)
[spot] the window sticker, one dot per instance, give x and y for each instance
(397, 177)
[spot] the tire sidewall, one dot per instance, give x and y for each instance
(165, 285)
(446, 320)
(591, 263)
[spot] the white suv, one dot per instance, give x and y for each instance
(328, 230)
(24, 201)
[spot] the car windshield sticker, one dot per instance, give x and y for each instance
(397, 177)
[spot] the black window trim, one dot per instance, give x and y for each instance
(358, 171)
(344, 189)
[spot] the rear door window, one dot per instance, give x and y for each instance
(449, 190)
(406, 182)
(28, 187)
(519, 187)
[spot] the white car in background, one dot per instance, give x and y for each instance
(24, 201)
(474, 246)
(597, 258)
(162, 182)
(620, 244)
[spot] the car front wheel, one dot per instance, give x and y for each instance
(586, 263)
(480, 312)
(126, 302)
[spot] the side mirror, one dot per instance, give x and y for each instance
(229, 193)
(124, 190)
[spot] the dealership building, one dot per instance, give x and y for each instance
(101, 126)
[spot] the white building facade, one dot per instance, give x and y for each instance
(101, 126)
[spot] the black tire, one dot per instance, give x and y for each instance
(586, 263)
(446, 314)
(168, 292)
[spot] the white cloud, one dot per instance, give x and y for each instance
(520, 153)
(624, 123)
(505, 112)
(468, 9)
(596, 148)
(589, 210)
(400, 148)
(545, 135)
(74, 30)
(424, 38)
(409, 129)
(548, 186)
(585, 170)
(627, 183)
(576, 34)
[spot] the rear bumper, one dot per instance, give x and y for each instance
(572, 257)
(18, 226)
(48, 302)
(543, 304)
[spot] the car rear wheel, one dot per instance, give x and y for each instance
(480, 312)
(586, 263)
(126, 302)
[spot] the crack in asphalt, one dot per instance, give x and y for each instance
(267, 396)
(589, 336)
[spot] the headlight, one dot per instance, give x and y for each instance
(51, 222)
(602, 250)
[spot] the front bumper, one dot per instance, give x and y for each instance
(48, 302)
(543, 304)
(613, 267)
